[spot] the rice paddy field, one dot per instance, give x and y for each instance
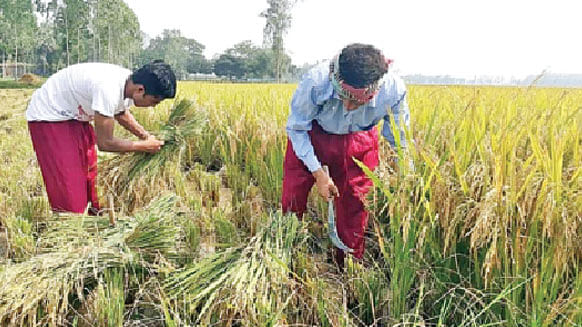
(483, 230)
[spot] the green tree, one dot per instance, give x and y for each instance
(183, 54)
(73, 31)
(71, 21)
(115, 32)
(278, 21)
(17, 29)
(261, 63)
(229, 65)
(196, 62)
(245, 60)
(258, 62)
(47, 52)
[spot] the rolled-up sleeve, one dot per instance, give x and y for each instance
(303, 111)
(398, 106)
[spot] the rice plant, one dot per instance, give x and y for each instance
(136, 177)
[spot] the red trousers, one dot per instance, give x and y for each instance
(68, 161)
(335, 151)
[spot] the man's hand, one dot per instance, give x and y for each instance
(151, 137)
(151, 144)
(107, 142)
(325, 186)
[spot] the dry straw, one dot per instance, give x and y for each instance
(74, 254)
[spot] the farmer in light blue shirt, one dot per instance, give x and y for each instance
(334, 113)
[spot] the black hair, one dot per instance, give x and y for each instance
(157, 78)
(361, 65)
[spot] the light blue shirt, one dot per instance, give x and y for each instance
(315, 99)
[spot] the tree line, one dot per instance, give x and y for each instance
(43, 36)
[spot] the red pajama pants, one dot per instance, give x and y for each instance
(68, 161)
(335, 151)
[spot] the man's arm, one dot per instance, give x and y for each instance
(107, 142)
(397, 113)
(303, 112)
(129, 122)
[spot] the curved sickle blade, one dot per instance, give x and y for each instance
(332, 230)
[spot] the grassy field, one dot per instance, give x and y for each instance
(32, 82)
(482, 232)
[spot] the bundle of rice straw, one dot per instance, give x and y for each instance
(139, 177)
(263, 282)
(74, 253)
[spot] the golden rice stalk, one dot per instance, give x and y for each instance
(139, 177)
(185, 121)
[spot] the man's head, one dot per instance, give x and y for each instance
(152, 83)
(356, 73)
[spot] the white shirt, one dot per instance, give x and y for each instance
(78, 91)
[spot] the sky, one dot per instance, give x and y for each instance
(465, 38)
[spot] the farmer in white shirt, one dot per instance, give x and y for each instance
(64, 141)
(334, 113)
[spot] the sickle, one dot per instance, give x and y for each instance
(332, 229)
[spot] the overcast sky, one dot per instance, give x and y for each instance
(455, 37)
